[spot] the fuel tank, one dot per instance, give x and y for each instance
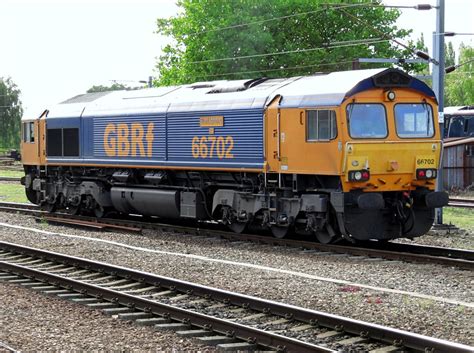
(149, 202)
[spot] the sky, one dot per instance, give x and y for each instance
(56, 49)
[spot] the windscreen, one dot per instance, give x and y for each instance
(414, 120)
(367, 120)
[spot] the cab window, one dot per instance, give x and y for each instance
(414, 120)
(29, 132)
(367, 120)
(321, 125)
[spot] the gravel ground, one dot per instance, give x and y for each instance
(424, 316)
(451, 238)
(52, 324)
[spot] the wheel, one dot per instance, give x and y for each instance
(73, 210)
(323, 237)
(32, 195)
(279, 232)
(48, 207)
(237, 227)
(99, 211)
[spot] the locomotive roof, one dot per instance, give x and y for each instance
(308, 91)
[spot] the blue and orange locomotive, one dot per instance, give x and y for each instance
(349, 155)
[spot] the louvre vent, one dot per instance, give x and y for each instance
(392, 78)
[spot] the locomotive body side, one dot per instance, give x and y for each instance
(276, 154)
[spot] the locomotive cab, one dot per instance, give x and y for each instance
(391, 161)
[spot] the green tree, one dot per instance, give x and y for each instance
(200, 39)
(459, 85)
(114, 87)
(11, 112)
(449, 55)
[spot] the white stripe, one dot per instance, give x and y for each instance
(244, 264)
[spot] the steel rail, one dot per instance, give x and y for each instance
(461, 202)
(5, 178)
(6, 347)
(459, 258)
(452, 253)
(245, 333)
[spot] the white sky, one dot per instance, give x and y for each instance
(56, 49)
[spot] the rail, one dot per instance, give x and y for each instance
(461, 202)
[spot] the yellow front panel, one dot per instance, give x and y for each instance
(392, 164)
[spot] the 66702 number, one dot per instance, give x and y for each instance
(425, 161)
(212, 146)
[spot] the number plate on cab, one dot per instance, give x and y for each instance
(425, 162)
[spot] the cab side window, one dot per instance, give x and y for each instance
(320, 125)
(29, 132)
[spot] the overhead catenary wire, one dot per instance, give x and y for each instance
(219, 29)
(454, 67)
(328, 46)
(326, 6)
(384, 35)
(280, 69)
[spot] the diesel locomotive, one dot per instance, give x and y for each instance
(346, 155)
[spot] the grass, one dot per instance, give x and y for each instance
(12, 193)
(11, 173)
(460, 217)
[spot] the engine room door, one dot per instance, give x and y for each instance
(42, 138)
(272, 139)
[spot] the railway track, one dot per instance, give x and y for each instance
(460, 202)
(460, 258)
(5, 178)
(6, 348)
(214, 317)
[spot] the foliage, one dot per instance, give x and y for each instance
(11, 112)
(114, 87)
(461, 217)
(200, 42)
(459, 85)
(449, 55)
(12, 192)
(11, 173)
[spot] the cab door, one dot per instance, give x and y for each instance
(33, 141)
(29, 142)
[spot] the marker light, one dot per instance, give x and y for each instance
(359, 175)
(426, 173)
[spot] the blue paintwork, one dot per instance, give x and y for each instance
(172, 143)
